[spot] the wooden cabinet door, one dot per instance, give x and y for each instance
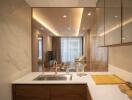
(127, 21)
(50, 92)
(112, 22)
(68, 92)
(30, 92)
(67, 97)
(100, 23)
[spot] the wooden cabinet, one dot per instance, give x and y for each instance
(127, 21)
(108, 22)
(100, 23)
(88, 95)
(50, 92)
(68, 92)
(30, 92)
(112, 22)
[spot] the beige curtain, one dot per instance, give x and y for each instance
(56, 47)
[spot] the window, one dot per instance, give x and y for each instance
(71, 48)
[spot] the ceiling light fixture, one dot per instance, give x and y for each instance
(89, 14)
(45, 25)
(64, 16)
(116, 16)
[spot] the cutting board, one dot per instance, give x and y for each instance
(107, 79)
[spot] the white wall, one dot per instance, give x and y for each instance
(15, 43)
(121, 57)
(125, 75)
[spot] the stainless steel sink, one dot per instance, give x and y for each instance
(54, 77)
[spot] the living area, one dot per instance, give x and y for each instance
(66, 39)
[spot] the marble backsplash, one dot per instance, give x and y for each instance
(15, 43)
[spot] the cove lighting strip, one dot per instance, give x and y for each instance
(45, 25)
(116, 27)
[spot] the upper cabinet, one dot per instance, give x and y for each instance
(112, 22)
(127, 21)
(100, 22)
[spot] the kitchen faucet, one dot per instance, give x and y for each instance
(55, 65)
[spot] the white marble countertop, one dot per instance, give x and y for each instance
(98, 92)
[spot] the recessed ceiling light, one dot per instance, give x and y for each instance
(116, 16)
(64, 16)
(89, 14)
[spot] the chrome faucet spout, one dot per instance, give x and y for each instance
(56, 71)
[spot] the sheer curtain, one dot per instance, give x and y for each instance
(71, 48)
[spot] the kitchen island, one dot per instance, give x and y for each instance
(95, 92)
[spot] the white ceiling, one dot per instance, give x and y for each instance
(61, 3)
(51, 20)
(87, 22)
